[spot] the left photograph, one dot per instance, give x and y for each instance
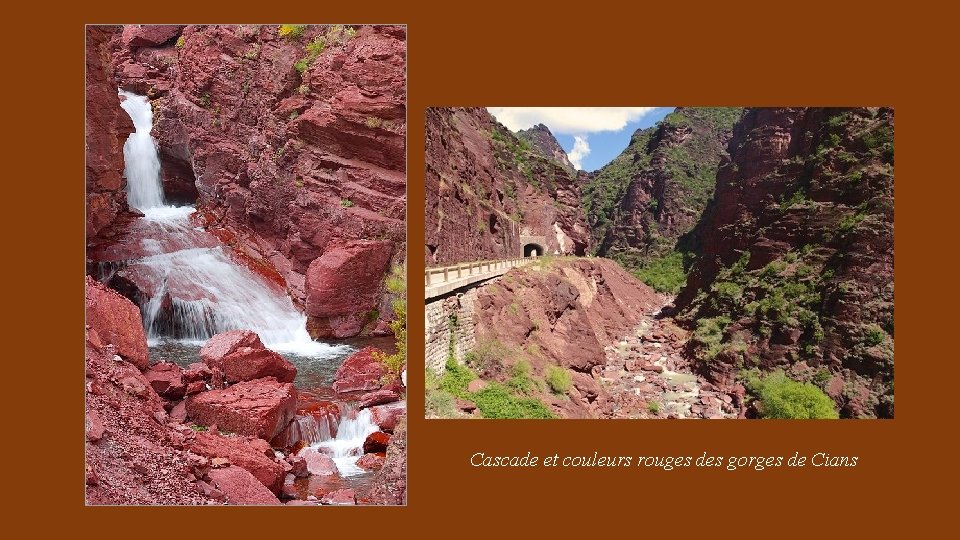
(245, 273)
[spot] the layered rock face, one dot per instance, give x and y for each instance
(654, 192)
(107, 127)
(564, 315)
(287, 144)
(795, 255)
(486, 188)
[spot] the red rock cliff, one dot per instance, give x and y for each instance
(486, 188)
(288, 144)
(795, 255)
(107, 127)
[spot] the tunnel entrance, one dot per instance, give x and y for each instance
(532, 250)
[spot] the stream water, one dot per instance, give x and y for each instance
(194, 291)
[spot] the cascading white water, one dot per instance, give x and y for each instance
(141, 162)
(213, 293)
(347, 447)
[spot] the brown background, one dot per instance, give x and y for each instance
(509, 53)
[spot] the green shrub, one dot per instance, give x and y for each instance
(782, 397)
(396, 283)
(346, 203)
(456, 378)
(496, 401)
(558, 379)
(441, 404)
(487, 354)
(292, 31)
(653, 407)
(874, 335)
(709, 333)
(302, 65)
(181, 41)
(665, 274)
(821, 377)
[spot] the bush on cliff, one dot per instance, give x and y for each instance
(559, 379)
(782, 397)
(396, 284)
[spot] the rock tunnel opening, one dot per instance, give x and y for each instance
(532, 250)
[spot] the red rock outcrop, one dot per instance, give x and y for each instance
(254, 455)
(240, 487)
(486, 188)
(343, 287)
(260, 408)
(795, 254)
(132, 457)
(361, 371)
(116, 321)
(242, 357)
(562, 314)
(107, 127)
(286, 151)
(389, 484)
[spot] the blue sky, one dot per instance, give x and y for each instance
(591, 136)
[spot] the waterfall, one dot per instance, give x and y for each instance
(197, 290)
(347, 447)
(141, 162)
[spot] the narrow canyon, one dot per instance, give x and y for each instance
(729, 263)
(245, 289)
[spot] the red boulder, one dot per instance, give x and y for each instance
(379, 397)
(371, 462)
(259, 408)
(254, 455)
(241, 487)
(340, 497)
(386, 416)
(166, 378)
(361, 371)
(242, 357)
(343, 287)
(318, 463)
(376, 442)
(117, 320)
(149, 35)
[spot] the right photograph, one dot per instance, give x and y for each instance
(659, 262)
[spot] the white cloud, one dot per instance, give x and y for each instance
(581, 149)
(569, 120)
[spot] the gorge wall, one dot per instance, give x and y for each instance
(794, 263)
(486, 187)
(107, 127)
(641, 203)
(290, 141)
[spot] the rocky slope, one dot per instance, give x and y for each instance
(107, 127)
(228, 430)
(487, 187)
(290, 141)
(654, 192)
(553, 320)
(795, 256)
